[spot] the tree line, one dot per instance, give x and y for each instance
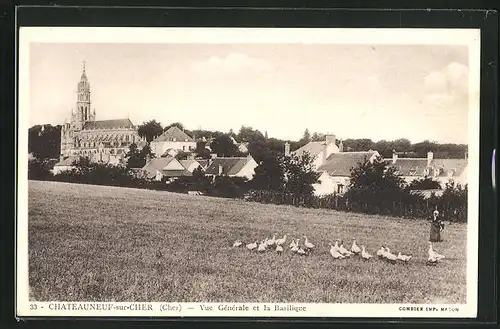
(46, 144)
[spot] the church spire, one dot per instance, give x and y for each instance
(84, 74)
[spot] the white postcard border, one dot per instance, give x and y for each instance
(28, 35)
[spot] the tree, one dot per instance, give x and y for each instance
(248, 134)
(150, 130)
(44, 141)
(454, 200)
(300, 174)
(39, 169)
(375, 186)
(424, 184)
(317, 137)
(269, 174)
(176, 124)
(182, 155)
(223, 146)
(135, 158)
(357, 145)
(306, 138)
(147, 152)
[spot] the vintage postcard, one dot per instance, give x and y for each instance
(229, 172)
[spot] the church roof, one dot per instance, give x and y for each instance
(108, 124)
(174, 134)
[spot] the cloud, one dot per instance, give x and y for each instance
(232, 63)
(447, 86)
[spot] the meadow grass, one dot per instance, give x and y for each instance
(99, 243)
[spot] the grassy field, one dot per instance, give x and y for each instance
(99, 243)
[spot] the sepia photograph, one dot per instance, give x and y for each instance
(248, 172)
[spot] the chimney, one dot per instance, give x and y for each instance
(394, 156)
(287, 148)
(430, 157)
(330, 139)
(330, 146)
(220, 169)
(341, 146)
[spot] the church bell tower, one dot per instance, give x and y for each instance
(83, 111)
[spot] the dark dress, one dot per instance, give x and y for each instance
(435, 235)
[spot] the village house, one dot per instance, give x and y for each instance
(66, 164)
(242, 147)
(232, 167)
(172, 142)
(336, 171)
(320, 150)
(332, 163)
(440, 170)
(191, 164)
(167, 167)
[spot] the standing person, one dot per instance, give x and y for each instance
(436, 227)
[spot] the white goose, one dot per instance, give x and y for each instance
(336, 245)
(403, 258)
(292, 244)
(335, 253)
(381, 252)
(365, 254)
(262, 246)
(281, 241)
(301, 251)
(343, 250)
(308, 244)
(252, 246)
(355, 249)
(390, 256)
(279, 249)
(433, 254)
(271, 242)
(237, 243)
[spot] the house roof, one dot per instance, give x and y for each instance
(176, 173)
(203, 163)
(108, 124)
(418, 166)
(410, 166)
(458, 165)
(174, 134)
(313, 148)
(230, 166)
(157, 164)
(188, 163)
(68, 161)
(340, 164)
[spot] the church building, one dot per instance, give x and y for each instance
(101, 141)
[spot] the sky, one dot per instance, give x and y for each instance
(418, 92)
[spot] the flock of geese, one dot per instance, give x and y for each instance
(337, 250)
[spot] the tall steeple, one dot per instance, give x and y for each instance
(83, 112)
